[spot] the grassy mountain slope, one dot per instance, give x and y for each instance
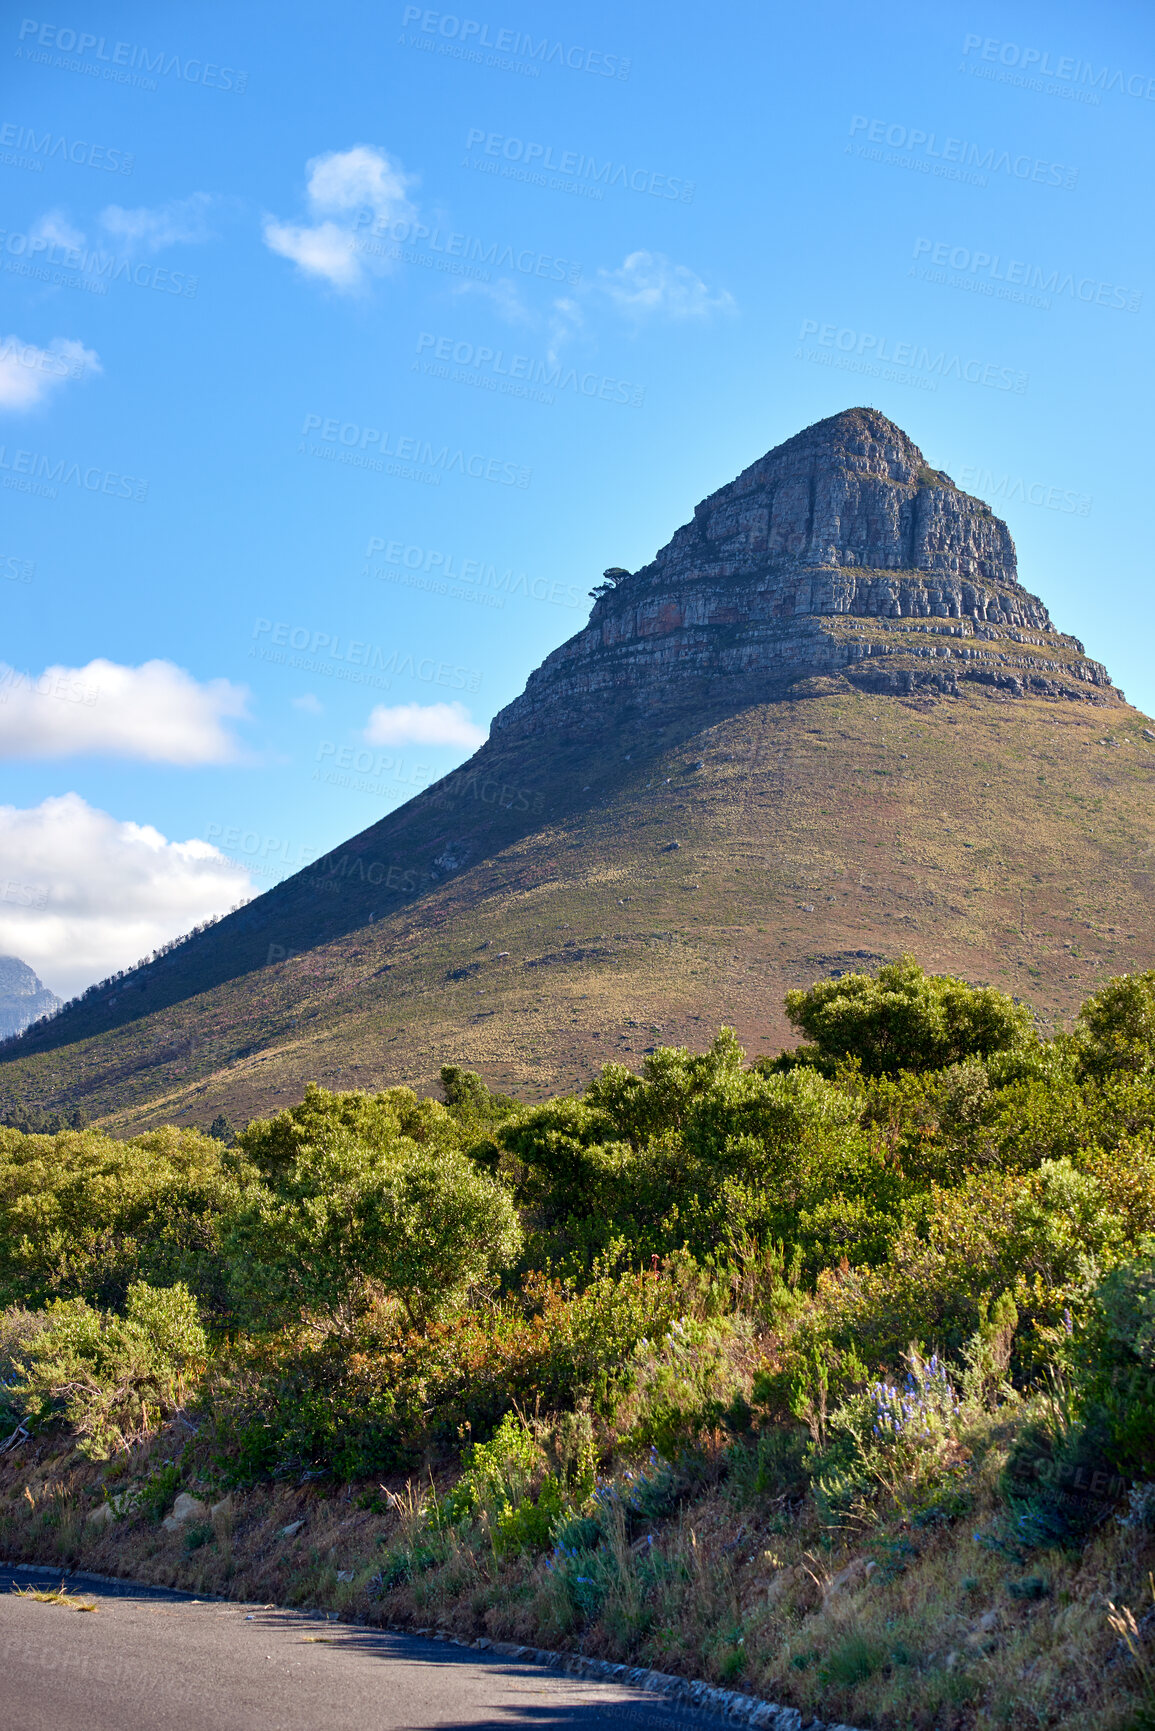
(556, 924)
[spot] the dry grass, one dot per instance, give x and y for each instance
(54, 1596)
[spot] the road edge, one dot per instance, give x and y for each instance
(702, 1697)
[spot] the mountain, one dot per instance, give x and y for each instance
(23, 996)
(826, 724)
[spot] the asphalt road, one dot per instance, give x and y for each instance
(150, 1660)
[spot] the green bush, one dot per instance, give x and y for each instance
(1029, 1234)
(504, 1485)
(685, 1385)
(770, 1464)
(113, 1378)
(701, 1155)
(904, 1019)
(85, 1216)
(346, 1222)
(1115, 1358)
(378, 1122)
(1116, 1027)
(662, 1098)
(893, 1436)
(1057, 1483)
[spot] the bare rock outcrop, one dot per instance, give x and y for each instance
(840, 554)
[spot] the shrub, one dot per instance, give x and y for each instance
(1027, 1233)
(1115, 1358)
(82, 1215)
(593, 1331)
(772, 1464)
(889, 1436)
(713, 1159)
(18, 1330)
(471, 1103)
(904, 1019)
(319, 1407)
(377, 1122)
(504, 1485)
(113, 1378)
(1116, 1027)
(565, 1162)
(345, 1222)
(662, 1097)
(685, 1384)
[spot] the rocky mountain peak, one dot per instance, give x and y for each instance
(862, 440)
(850, 492)
(840, 553)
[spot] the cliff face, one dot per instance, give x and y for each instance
(838, 554)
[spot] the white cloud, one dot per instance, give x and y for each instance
(310, 703)
(56, 228)
(83, 894)
(348, 179)
(648, 285)
(29, 374)
(325, 250)
(339, 185)
(423, 724)
(156, 713)
(180, 222)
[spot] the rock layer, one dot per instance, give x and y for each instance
(840, 553)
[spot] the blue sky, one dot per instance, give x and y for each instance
(342, 350)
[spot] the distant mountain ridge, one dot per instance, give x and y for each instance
(23, 997)
(827, 723)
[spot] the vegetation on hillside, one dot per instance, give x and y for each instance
(832, 1374)
(1009, 842)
